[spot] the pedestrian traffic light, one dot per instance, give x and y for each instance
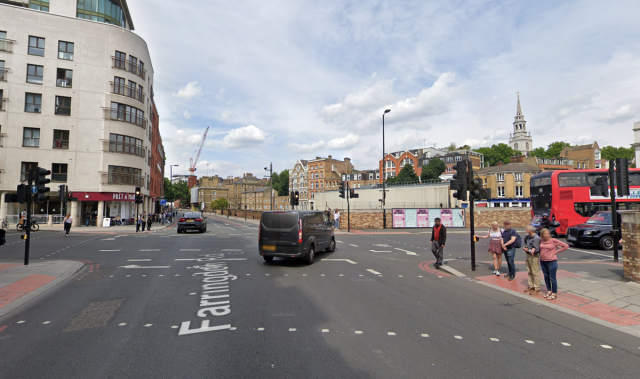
(353, 194)
(475, 188)
(22, 193)
(460, 181)
(139, 197)
(61, 190)
(41, 180)
(600, 187)
(292, 200)
(622, 177)
(296, 198)
(341, 188)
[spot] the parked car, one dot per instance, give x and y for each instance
(597, 231)
(295, 234)
(192, 221)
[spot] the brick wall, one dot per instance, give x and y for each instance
(519, 217)
(365, 220)
(631, 244)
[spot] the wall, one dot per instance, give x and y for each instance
(631, 244)
(519, 217)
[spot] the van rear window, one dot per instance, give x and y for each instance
(279, 220)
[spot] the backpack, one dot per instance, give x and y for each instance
(518, 242)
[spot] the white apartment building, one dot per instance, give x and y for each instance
(76, 89)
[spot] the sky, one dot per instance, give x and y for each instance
(277, 80)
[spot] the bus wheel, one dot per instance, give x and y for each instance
(606, 243)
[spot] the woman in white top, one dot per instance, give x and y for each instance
(67, 224)
(495, 246)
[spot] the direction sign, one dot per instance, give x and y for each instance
(34, 190)
(163, 201)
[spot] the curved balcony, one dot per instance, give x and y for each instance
(128, 91)
(123, 64)
(6, 45)
(117, 178)
(123, 148)
(3, 74)
(115, 114)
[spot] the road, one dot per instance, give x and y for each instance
(368, 310)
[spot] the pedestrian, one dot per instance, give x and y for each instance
(438, 239)
(87, 217)
(138, 223)
(509, 238)
(532, 248)
(23, 217)
(336, 217)
(143, 221)
(118, 220)
(149, 222)
(67, 224)
(495, 246)
(549, 248)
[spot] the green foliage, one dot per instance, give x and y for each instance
(611, 152)
(169, 193)
(553, 150)
(433, 170)
(496, 153)
(452, 147)
(181, 192)
(220, 203)
(281, 182)
(407, 174)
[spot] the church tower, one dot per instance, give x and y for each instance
(520, 140)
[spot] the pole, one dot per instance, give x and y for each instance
(28, 220)
(174, 193)
(384, 172)
(614, 208)
(472, 222)
(271, 186)
(348, 209)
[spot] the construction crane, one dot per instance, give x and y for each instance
(192, 166)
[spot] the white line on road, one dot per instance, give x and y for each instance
(606, 346)
(425, 335)
(353, 245)
(343, 260)
(136, 266)
(494, 339)
(391, 334)
(376, 251)
(529, 342)
(149, 249)
(565, 344)
(592, 253)
(189, 249)
(138, 260)
(458, 337)
(325, 330)
(225, 259)
(339, 242)
(231, 250)
(373, 271)
(358, 331)
(110, 250)
(407, 251)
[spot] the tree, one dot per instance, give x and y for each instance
(433, 170)
(220, 203)
(497, 153)
(464, 147)
(452, 147)
(553, 150)
(283, 189)
(611, 152)
(407, 174)
(169, 193)
(181, 191)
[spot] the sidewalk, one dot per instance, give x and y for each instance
(122, 229)
(20, 283)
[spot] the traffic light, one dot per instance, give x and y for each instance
(70, 197)
(61, 189)
(41, 180)
(22, 193)
(292, 200)
(139, 197)
(296, 198)
(460, 181)
(353, 194)
(341, 188)
(622, 177)
(600, 187)
(475, 189)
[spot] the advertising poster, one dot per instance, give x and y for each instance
(398, 218)
(433, 214)
(423, 218)
(445, 215)
(458, 218)
(410, 218)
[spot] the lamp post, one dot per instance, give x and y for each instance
(384, 175)
(171, 181)
(270, 169)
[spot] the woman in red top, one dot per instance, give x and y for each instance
(549, 247)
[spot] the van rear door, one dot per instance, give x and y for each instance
(279, 232)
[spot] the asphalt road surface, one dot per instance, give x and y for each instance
(368, 310)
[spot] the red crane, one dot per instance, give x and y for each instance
(192, 166)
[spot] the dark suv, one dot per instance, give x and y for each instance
(596, 232)
(295, 234)
(192, 221)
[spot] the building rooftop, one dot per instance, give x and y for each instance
(509, 167)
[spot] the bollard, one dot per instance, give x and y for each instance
(50, 220)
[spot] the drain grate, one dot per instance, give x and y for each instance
(96, 314)
(92, 276)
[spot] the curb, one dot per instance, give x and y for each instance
(452, 271)
(74, 268)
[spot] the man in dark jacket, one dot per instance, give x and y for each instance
(438, 239)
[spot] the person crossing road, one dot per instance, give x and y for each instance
(438, 239)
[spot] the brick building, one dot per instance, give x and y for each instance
(360, 178)
(156, 158)
(237, 185)
(509, 184)
(299, 181)
(257, 198)
(418, 158)
(211, 188)
(584, 156)
(325, 174)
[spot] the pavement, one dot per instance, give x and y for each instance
(207, 305)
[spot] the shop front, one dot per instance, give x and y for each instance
(95, 206)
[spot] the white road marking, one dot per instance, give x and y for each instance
(400, 276)
(106, 250)
(425, 335)
(322, 275)
(122, 324)
(192, 293)
(340, 260)
(189, 249)
(292, 329)
(20, 322)
(136, 266)
(494, 339)
(46, 322)
(225, 259)
(407, 251)
(233, 328)
(138, 260)
(382, 251)
(529, 342)
(341, 275)
(353, 245)
(175, 327)
(458, 337)
(325, 330)
(565, 344)
(149, 249)
(606, 346)
(358, 332)
(304, 274)
(373, 271)
(148, 325)
(231, 250)
(260, 329)
(391, 334)
(339, 242)
(592, 253)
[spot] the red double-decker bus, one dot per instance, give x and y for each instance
(566, 196)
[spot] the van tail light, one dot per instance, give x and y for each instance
(300, 231)
(182, 219)
(198, 219)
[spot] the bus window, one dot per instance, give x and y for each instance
(539, 182)
(592, 178)
(582, 209)
(600, 207)
(634, 179)
(572, 179)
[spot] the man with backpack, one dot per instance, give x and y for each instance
(510, 241)
(438, 239)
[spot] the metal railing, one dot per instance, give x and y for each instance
(123, 148)
(120, 178)
(115, 114)
(2, 101)
(126, 90)
(3, 74)
(64, 82)
(134, 68)
(432, 182)
(6, 45)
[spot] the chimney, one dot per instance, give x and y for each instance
(318, 158)
(499, 163)
(329, 157)
(347, 162)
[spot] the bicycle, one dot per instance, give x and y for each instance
(34, 226)
(5, 224)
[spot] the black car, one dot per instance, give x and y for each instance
(595, 232)
(192, 221)
(295, 234)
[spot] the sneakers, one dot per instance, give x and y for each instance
(437, 265)
(494, 272)
(512, 278)
(497, 272)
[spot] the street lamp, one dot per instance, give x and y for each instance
(270, 169)
(171, 181)
(384, 175)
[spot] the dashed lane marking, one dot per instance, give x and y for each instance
(149, 249)
(359, 332)
(382, 251)
(425, 335)
(457, 337)
(494, 339)
(529, 342)
(138, 260)
(107, 250)
(148, 325)
(353, 245)
(189, 249)
(292, 329)
(391, 334)
(373, 271)
(46, 322)
(122, 324)
(325, 330)
(407, 251)
(340, 260)
(565, 344)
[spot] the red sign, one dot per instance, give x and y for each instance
(104, 196)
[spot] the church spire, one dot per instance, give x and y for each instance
(519, 112)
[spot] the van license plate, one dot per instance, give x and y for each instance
(269, 247)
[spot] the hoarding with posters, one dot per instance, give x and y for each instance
(425, 217)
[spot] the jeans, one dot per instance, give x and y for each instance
(67, 228)
(338, 224)
(437, 251)
(88, 220)
(510, 254)
(549, 269)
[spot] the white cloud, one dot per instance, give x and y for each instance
(187, 115)
(192, 89)
(246, 136)
(624, 113)
(305, 148)
(343, 142)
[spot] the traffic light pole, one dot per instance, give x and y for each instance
(614, 207)
(347, 195)
(472, 222)
(28, 220)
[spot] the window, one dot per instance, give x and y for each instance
(449, 169)
(458, 158)
(36, 46)
(518, 177)
(33, 102)
(31, 137)
(39, 5)
(60, 139)
(119, 60)
(63, 105)
(449, 159)
(34, 74)
(24, 169)
(64, 77)
(500, 177)
(65, 50)
(124, 175)
(123, 112)
(597, 155)
(59, 172)
(515, 146)
(131, 90)
(107, 11)
(321, 166)
(519, 191)
(133, 64)
(576, 179)
(500, 191)
(3, 78)
(119, 85)
(527, 145)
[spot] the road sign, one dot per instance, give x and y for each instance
(163, 201)
(34, 190)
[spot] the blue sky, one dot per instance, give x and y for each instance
(281, 79)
